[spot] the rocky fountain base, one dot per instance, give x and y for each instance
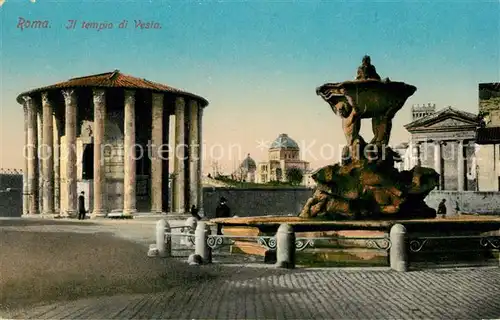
(364, 189)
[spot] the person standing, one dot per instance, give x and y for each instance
(194, 212)
(222, 211)
(442, 209)
(81, 206)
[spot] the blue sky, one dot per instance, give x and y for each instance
(258, 63)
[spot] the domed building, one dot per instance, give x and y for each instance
(246, 170)
(283, 154)
(107, 135)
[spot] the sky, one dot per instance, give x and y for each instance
(256, 62)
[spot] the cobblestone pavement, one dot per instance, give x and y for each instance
(259, 291)
(303, 294)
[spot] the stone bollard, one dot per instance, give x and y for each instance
(285, 247)
(189, 225)
(201, 247)
(163, 241)
(398, 254)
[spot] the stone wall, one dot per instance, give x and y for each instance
(11, 195)
(257, 201)
(260, 201)
(466, 201)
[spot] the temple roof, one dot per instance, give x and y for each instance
(114, 79)
(283, 141)
(444, 119)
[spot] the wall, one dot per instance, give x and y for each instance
(11, 202)
(253, 202)
(261, 201)
(488, 170)
(466, 201)
(257, 201)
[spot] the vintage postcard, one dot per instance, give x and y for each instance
(249, 159)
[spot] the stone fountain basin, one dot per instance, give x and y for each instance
(346, 248)
(369, 98)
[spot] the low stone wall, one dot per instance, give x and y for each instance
(466, 201)
(261, 201)
(11, 203)
(11, 195)
(257, 201)
(284, 201)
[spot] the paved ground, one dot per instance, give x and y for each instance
(257, 291)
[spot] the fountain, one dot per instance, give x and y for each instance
(366, 185)
(363, 196)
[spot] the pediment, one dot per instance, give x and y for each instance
(448, 122)
(446, 119)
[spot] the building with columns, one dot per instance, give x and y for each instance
(488, 137)
(283, 154)
(108, 134)
(443, 140)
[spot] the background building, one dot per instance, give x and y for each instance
(488, 137)
(246, 170)
(283, 156)
(443, 140)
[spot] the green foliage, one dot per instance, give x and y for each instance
(294, 176)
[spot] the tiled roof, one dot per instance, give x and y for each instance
(114, 79)
(488, 135)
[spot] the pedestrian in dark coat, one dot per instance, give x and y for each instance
(81, 206)
(441, 211)
(222, 211)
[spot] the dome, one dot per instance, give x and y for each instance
(284, 142)
(248, 164)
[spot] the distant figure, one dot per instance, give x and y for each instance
(209, 176)
(442, 209)
(222, 211)
(81, 206)
(367, 70)
(194, 213)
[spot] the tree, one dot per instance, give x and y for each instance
(294, 175)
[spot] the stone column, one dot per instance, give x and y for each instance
(48, 155)
(32, 153)
(166, 162)
(437, 162)
(70, 101)
(39, 134)
(129, 180)
(419, 160)
(180, 155)
(32, 150)
(99, 96)
(194, 154)
(57, 166)
(25, 161)
(200, 160)
(460, 165)
(156, 154)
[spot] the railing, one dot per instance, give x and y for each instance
(198, 235)
(491, 242)
(399, 245)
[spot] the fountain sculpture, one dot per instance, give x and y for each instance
(365, 185)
